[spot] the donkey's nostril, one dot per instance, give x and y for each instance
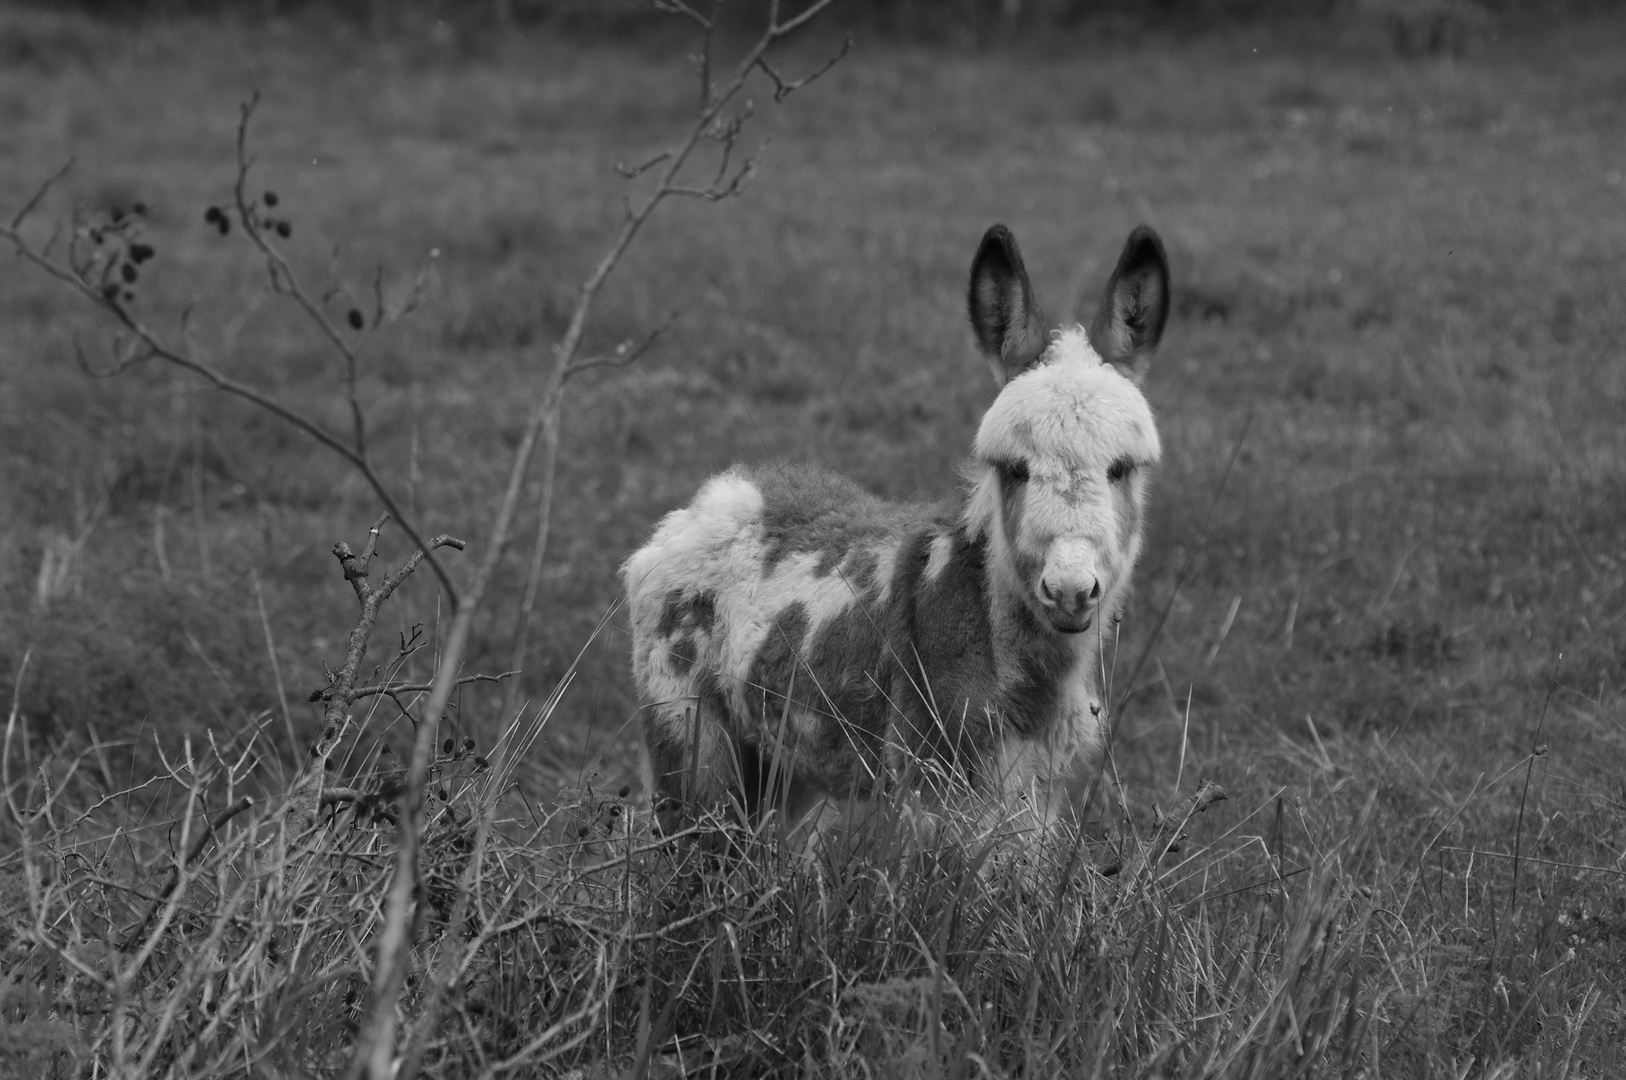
(1072, 601)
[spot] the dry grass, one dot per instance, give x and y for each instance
(1399, 276)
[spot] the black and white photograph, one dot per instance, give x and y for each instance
(817, 539)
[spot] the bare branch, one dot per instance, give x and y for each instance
(678, 7)
(178, 871)
(424, 688)
(633, 171)
(40, 193)
(284, 279)
(304, 797)
(779, 29)
(144, 344)
(375, 1041)
(783, 88)
(625, 353)
(356, 568)
(371, 549)
(719, 191)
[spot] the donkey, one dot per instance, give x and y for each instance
(796, 640)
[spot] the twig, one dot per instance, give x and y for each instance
(375, 1043)
(1537, 749)
(783, 89)
(40, 193)
(1166, 831)
(626, 353)
(178, 871)
(146, 345)
(678, 7)
(305, 796)
(632, 172)
(420, 688)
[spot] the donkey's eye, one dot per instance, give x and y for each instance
(1119, 469)
(1016, 472)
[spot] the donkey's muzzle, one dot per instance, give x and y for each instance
(1069, 606)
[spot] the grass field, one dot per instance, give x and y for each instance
(1399, 306)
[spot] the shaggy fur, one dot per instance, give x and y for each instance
(796, 639)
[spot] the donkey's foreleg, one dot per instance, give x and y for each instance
(689, 760)
(1029, 798)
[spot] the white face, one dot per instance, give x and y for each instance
(1066, 451)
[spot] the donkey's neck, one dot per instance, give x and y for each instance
(1049, 681)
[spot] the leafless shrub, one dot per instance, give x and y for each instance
(268, 868)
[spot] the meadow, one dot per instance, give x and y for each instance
(1383, 601)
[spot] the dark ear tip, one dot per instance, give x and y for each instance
(1144, 246)
(998, 242)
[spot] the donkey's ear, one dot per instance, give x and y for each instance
(1129, 324)
(1009, 325)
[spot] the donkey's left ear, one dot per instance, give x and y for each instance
(1130, 323)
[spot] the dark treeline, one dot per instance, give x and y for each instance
(928, 19)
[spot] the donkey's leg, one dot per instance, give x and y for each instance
(688, 758)
(1027, 797)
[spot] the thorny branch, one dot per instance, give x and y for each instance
(305, 797)
(709, 126)
(75, 265)
(286, 282)
(135, 342)
(377, 1037)
(357, 569)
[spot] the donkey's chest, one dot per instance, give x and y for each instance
(1078, 719)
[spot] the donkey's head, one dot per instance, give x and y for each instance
(1062, 456)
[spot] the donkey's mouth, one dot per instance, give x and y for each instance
(1063, 623)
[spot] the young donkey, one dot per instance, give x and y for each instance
(796, 640)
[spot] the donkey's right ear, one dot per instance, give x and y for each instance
(1008, 323)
